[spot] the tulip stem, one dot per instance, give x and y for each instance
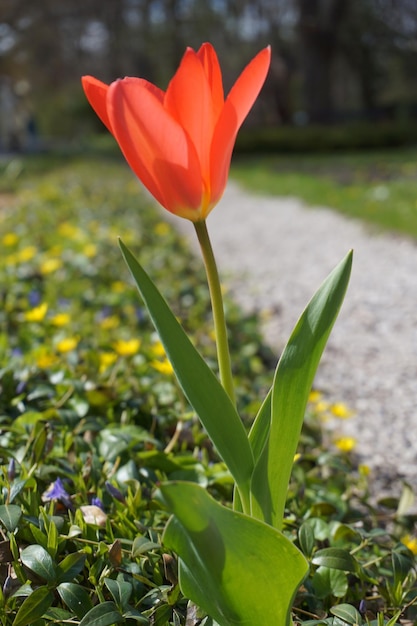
(220, 329)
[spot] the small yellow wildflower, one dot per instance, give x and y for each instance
(50, 265)
(109, 322)
(90, 250)
(26, 254)
(67, 344)
(60, 319)
(364, 470)
(341, 411)
(106, 360)
(164, 367)
(118, 286)
(45, 359)
(345, 444)
(37, 314)
(410, 543)
(158, 349)
(315, 396)
(68, 230)
(9, 239)
(127, 347)
(322, 408)
(297, 457)
(162, 229)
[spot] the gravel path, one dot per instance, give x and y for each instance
(274, 253)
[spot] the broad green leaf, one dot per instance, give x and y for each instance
(70, 567)
(236, 568)
(203, 390)
(336, 558)
(121, 591)
(306, 538)
(39, 561)
(136, 616)
(329, 582)
(34, 607)
(10, 515)
(292, 383)
(104, 614)
(75, 598)
(347, 613)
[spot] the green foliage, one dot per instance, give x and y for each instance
(108, 419)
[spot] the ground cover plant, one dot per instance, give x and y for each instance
(89, 426)
(376, 187)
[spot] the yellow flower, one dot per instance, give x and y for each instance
(297, 457)
(106, 359)
(118, 286)
(164, 366)
(45, 359)
(60, 319)
(345, 444)
(50, 265)
(109, 322)
(158, 349)
(364, 470)
(315, 396)
(410, 542)
(67, 344)
(37, 314)
(90, 250)
(26, 254)
(68, 230)
(162, 229)
(341, 411)
(127, 347)
(10, 239)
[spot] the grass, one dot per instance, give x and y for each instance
(90, 415)
(379, 188)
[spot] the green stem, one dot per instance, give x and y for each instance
(220, 329)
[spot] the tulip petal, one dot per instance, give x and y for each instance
(238, 104)
(155, 146)
(96, 93)
(188, 99)
(208, 58)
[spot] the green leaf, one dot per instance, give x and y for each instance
(292, 383)
(336, 558)
(203, 390)
(306, 538)
(10, 515)
(104, 614)
(70, 567)
(39, 561)
(75, 598)
(327, 581)
(121, 591)
(34, 607)
(236, 568)
(347, 613)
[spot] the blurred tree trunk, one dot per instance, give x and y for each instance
(318, 26)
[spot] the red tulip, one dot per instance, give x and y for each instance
(179, 142)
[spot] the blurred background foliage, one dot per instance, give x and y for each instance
(340, 63)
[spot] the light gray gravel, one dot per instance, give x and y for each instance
(273, 253)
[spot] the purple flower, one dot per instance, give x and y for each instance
(57, 492)
(97, 502)
(34, 298)
(114, 492)
(11, 469)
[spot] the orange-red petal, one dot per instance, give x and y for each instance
(155, 146)
(96, 93)
(208, 58)
(188, 99)
(238, 104)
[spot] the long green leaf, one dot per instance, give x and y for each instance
(200, 385)
(292, 383)
(34, 607)
(236, 568)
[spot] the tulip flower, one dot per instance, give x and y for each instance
(179, 142)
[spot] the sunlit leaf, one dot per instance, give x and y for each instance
(238, 569)
(292, 383)
(200, 385)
